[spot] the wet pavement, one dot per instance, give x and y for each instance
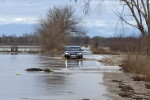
(71, 80)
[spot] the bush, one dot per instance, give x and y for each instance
(103, 50)
(138, 65)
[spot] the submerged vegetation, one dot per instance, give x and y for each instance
(39, 69)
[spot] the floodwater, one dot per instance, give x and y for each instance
(71, 79)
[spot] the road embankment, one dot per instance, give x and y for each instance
(121, 85)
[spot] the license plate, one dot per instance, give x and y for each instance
(73, 55)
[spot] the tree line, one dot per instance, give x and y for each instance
(122, 44)
(25, 39)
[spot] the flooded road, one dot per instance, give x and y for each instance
(71, 79)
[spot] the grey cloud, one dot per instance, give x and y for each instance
(31, 10)
(26, 7)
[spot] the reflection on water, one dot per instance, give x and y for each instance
(73, 63)
(58, 85)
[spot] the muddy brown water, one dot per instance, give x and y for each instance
(71, 79)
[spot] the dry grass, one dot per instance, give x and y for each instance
(98, 51)
(138, 65)
(101, 50)
(113, 60)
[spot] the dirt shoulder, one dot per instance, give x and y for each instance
(121, 84)
(112, 60)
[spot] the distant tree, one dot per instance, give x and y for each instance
(95, 42)
(25, 39)
(55, 29)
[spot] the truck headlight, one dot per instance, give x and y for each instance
(66, 53)
(80, 53)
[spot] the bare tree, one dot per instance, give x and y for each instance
(55, 28)
(139, 12)
(139, 9)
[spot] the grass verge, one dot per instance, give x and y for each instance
(138, 66)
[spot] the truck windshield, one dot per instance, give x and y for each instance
(73, 49)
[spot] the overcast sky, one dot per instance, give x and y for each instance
(21, 16)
